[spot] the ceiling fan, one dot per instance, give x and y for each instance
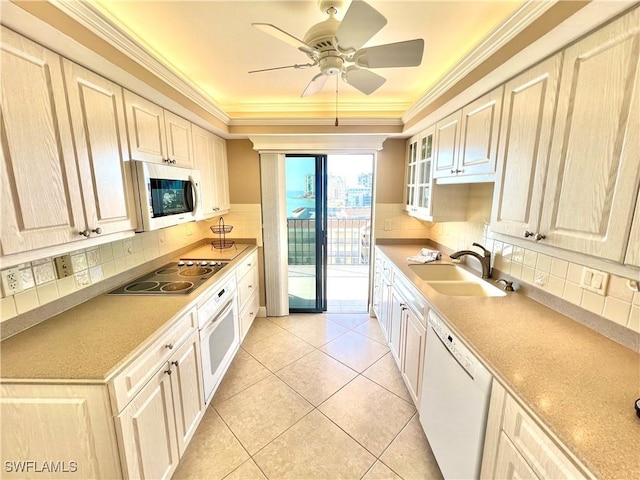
(336, 47)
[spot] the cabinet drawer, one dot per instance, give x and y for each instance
(510, 464)
(247, 264)
(129, 382)
(248, 313)
(247, 285)
(545, 458)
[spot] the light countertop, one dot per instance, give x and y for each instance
(92, 341)
(580, 383)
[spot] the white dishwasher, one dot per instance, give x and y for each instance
(455, 401)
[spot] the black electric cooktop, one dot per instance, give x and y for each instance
(181, 277)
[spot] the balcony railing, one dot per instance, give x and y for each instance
(347, 241)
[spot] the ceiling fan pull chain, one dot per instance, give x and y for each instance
(336, 124)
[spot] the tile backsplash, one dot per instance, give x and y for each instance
(391, 221)
(94, 264)
(619, 303)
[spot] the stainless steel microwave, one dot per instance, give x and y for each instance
(165, 195)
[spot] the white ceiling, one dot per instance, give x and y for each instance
(213, 45)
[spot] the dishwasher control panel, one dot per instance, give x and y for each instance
(461, 353)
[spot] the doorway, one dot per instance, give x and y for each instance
(329, 200)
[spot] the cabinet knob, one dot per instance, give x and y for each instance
(460, 171)
(250, 286)
(97, 231)
(168, 372)
(169, 346)
(85, 233)
(453, 171)
(528, 234)
(539, 237)
(174, 363)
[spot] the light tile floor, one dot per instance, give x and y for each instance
(313, 396)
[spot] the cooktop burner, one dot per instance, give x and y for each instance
(176, 278)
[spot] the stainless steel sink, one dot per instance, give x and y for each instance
(449, 279)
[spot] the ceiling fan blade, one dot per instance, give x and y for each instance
(304, 65)
(283, 36)
(315, 85)
(400, 54)
(364, 80)
(360, 23)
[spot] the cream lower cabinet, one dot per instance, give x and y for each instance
(248, 281)
(413, 348)
(594, 163)
(516, 446)
(65, 431)
(395, 326)
(210, 158)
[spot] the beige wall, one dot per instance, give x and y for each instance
(244, 172)
(390, 171)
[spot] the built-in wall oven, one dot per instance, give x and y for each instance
(219, 337)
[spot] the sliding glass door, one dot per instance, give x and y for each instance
(306, 184)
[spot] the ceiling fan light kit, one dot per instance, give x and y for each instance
(336, 47)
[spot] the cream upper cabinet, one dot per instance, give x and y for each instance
(466, 142)
(479, 135)
(594, 165)
(41, 196)
(210, 158)
(146, 128)
(447, 136)
(179, 144)
(633, 248)
(525, 133)
(98, 121)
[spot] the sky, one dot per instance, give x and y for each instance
(348, 166)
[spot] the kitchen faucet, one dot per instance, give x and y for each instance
(484, 260)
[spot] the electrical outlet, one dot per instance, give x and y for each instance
(64, 266)
(11, 281)
(388, 224)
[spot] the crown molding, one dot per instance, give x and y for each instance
(313, 121)
(396, 108)
(317, 143)
(91, 18)
(500, 36)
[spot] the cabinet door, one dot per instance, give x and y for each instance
(221, 173)
(186, 388)
(203, 161)
(510, 465)
(633, 248)
(179, 143)
(413, 354)
(146, 129)
(479, 135)
(424, 187)
(41, 199)
(527, 120)
(594, 166)
(446, 149)
(410, 174)
(148, 431)
(396, 314)
(97, 116)
(385, 307)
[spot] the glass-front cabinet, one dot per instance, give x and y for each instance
(410, 170)
(418, 174)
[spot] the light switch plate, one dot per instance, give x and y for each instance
(594, 280)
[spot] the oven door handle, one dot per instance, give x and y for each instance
(214, 321)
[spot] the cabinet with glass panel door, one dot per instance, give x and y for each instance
(423, 198)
